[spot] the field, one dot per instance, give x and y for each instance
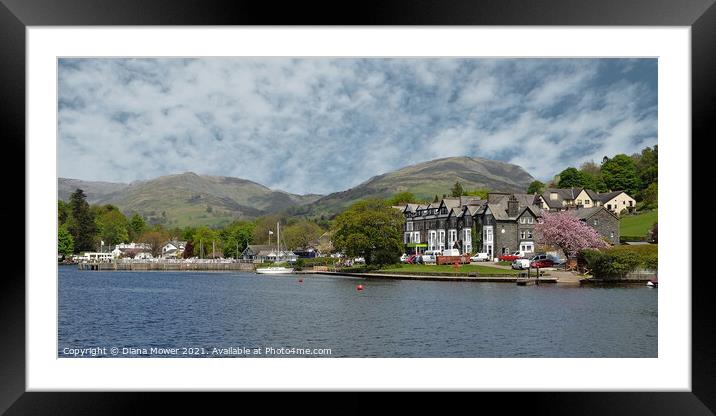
(465, 268)
(637, 225)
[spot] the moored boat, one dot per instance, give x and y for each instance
(275, 270)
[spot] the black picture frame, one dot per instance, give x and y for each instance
(16, 15)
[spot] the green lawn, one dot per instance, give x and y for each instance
(465, 268)
(637, 225)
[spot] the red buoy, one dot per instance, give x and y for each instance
(300, 280)
(359, 287)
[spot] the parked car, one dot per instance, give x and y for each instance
(403, 257)
(520, 264)
(556, 260)
(429, 257)
(480, 257)
(542, 263)
(510, 257)
(412, 259)
(359, 260)
(538, 257)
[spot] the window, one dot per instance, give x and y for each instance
(416, 237)
(596, 221)
(623, 202)
(587, 202)
(609, 206)
(529, 233)
(523, 234)
(408, 238)
(579, 202)
(530, 220)
(409, 226)
(631, 203)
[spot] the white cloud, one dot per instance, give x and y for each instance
(322, 125)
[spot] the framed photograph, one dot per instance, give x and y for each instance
(456, 198)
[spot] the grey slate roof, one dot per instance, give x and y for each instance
(605, 197)
(499, 207)
(593, 195)
(255, 249)
(563, 194)
(586, 213)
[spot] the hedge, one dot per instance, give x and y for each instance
(619, 260)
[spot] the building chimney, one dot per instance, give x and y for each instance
(512, 206)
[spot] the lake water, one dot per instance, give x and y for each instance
(194, 314)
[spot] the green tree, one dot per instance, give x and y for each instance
(593, 175)
(536, 187)
(206, 239)
(82, 227)
(235, 237)
(574, 178)
(64, 212)
(403, 198)
(620, 174)
(156, 239)
(112, 226)
(262, 227)
(137, 225)
(301, 234)
(371, 229)
(457, 190)
(650, 196)
(647, 165)
(65, 242)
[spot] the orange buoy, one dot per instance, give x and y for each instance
(359, 287)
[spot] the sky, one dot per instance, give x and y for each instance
(320, 125)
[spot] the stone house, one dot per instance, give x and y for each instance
(501, 224)
(506, 224)
(617, 202)
(560, 199)
(440, 225)
(260, 253)
(605, 221)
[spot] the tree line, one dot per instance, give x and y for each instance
(637, 175)
(84, 227)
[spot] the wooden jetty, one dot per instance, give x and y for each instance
(169, 266)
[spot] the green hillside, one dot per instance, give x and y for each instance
(190, 199)
(426, 180)
(637, 225)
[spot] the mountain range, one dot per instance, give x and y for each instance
(191, 199)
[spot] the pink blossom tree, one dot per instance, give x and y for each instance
(569, 233)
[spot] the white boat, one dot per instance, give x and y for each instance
(276, 269)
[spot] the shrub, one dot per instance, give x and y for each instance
(620, 260)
